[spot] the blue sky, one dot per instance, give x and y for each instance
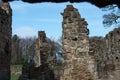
(28, 18)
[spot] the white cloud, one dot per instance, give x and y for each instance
(25, 32)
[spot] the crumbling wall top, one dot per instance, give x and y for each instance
(42, 36)
(72, 16)
(6, 7)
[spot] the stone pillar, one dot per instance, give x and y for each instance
(5, 40)
(78, 65)
(42, 49)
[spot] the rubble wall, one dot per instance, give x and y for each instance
(78, 64)
(5, 40)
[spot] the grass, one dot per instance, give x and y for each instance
(14, 76)
(16, 65)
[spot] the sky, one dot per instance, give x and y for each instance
(28, 18)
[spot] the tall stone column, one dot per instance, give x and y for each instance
(78, 64)
(5, 40)
(42, 49)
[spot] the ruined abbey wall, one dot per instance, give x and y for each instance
(97, 50)
(84, 58)
(42, 49)
(113, 48)
(112, 40)
(78, 64)
(102, 54)
(106, 52)
(5, 40)
(39, 67)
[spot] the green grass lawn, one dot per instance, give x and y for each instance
(15, 76)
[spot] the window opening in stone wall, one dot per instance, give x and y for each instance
(6, 48)
(118, 32)
(111, 34)
(75, 39)
(119, 42)
(65, 38)
(107, 56)
(117, 58)
(1, 22)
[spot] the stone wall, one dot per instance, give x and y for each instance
(94, 58)
(5, 40)
(97, 50)
(42, 48)
(106, 52)
(78, 64)
(112, 66)
(113, 48)
(39, 68)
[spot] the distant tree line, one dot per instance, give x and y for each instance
(22, 48)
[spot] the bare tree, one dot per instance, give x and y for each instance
(112, 17)
(15, 55)
(21, 49)
(25, 44)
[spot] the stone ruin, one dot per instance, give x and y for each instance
(78, 64)
(106, 52)
(96, 50)
(112, 52)
(39, 68)
(42, 49)
(84, 58)
(5, 40)
(88, 58)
